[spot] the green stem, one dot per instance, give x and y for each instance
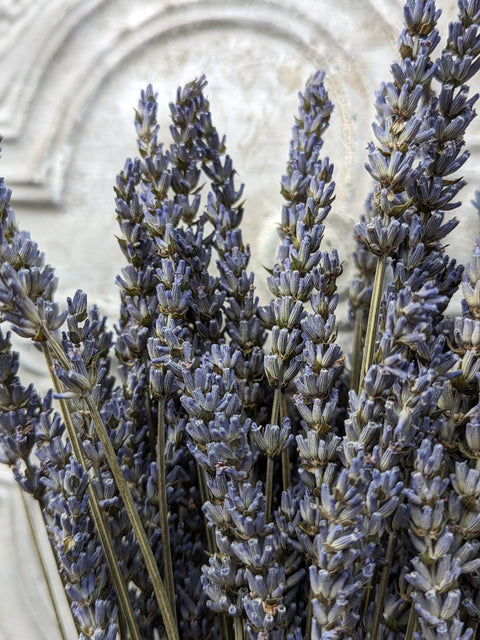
(226, 629)
(286, 480)
(204, 497)
(372, 324)
(411, 624)
(239, 630)
(357, 349)
(98, 516)
(382, 593)
(163, 506)
(368, 595)
(285, 457)
(122, 627)
(308, 626)
(269, 489)
(150, 424)
(269, 473)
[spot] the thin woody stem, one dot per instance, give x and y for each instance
(163, 505)
(269, 473)
(372, 324)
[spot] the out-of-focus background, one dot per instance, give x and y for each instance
(72, 71)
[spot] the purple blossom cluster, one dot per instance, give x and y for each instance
(240, 477)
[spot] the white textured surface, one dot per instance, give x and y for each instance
(71, 75)
(25, 609)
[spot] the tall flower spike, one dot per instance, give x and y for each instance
(302, 272)
(443, 556)
(433, 193)
(225, 211)
(141, 191)
(398, 413)
(394, 162)
(463, 338)
(188, 297)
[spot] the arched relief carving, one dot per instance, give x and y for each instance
(54, 88)
(14, 15)
(32, 35)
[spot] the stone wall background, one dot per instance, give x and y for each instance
(72, 71)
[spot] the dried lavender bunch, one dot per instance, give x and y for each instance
(31, 429)
(420, 269)
(220, 490)
(400, 130)
(324, 486)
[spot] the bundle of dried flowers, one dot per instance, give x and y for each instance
(221, 489)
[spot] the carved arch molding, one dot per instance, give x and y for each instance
(58, 54)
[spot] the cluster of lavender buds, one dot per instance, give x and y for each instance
(237, 476)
